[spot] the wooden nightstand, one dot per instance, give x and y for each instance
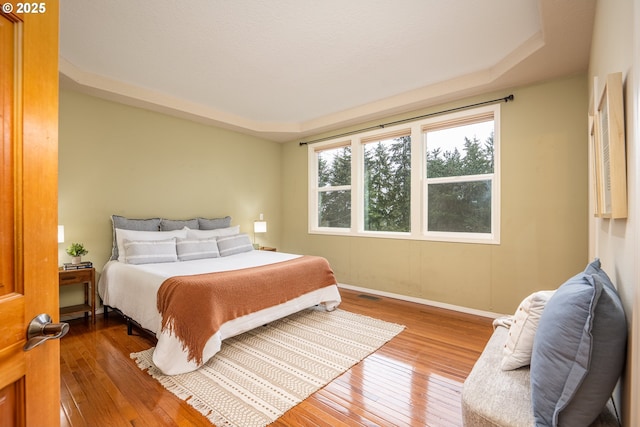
(86, 277)
(267, 248)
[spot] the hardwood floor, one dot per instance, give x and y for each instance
(414, 380)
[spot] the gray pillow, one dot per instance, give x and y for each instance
(578, 351)
(231, 245)
(178, 224)
(150, 251)
(212, 224)
(117, 221)
(190, 249)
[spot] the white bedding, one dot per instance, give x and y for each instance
(132, 289)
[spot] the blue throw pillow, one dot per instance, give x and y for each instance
(578, 351)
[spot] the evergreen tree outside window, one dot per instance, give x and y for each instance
(387, 184)
(431, 179)
(459, 176)
(334, 187)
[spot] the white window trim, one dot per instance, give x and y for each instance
(314, 190)
(357, 200)
(418, 182)
(444, 236)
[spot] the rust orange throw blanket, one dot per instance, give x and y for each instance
(194, 307)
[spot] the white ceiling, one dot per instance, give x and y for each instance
(285, 69)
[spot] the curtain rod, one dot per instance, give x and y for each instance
(383, 125)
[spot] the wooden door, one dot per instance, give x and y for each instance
(29, 380)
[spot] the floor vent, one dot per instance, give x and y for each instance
(371, 297)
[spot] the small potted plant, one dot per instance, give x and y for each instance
(76, 250)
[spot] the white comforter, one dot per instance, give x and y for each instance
(132, 289)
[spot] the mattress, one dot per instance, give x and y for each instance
(132, 289)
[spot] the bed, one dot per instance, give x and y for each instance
(163, 279)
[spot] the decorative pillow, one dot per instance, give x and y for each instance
(190, 249)
(121, 235)
(177, 224)
(517, 349)
(578, 351)
(212, 224)
(150, 224)
(218, 232)
(117, 221)
(230, 245)
(150, 251)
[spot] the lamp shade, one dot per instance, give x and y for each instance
(260, 226)
(60, 233)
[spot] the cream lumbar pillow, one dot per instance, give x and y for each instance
(517, 349)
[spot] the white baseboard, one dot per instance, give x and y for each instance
(459, 308)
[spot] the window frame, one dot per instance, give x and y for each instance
(314, 195)
(460, 119)
(388, 133)
(419, 182)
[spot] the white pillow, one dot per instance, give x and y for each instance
(150, 251)
(218, 232)
(517, 349)
(122, 234)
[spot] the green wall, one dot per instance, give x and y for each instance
(615, 48)
(116, 159)
(543, 215)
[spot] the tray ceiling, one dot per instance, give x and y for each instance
(284, 69)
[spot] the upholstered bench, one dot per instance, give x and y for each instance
(493, 397)
(555, 362)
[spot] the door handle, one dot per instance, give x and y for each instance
(42, 329)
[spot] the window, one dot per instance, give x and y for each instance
(333, 166)
(387, 184)
(459, 176)
(434, 179)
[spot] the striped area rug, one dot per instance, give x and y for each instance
(259, 375)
